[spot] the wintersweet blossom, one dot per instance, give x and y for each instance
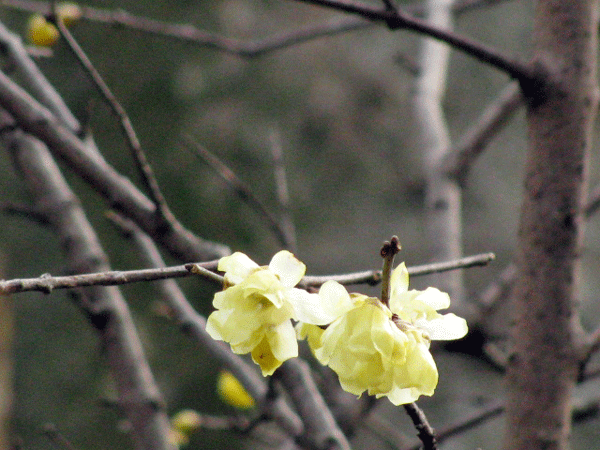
(384, 350)
(254, 311)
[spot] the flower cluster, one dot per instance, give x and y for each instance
(373, 347)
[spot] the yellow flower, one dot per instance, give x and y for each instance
(41, 32)
(419, 308)
(254, 311)
(381, 350)
(186, 421)
(69, 13)
(232, 392)
(183, 424)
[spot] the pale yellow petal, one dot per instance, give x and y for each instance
(289, 269)
(237, 267)
(282, 340)
(263, 356)
(444, 328)
(399, 281)
(434, 298)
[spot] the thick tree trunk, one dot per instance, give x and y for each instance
(543, 364)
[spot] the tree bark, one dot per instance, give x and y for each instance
(543, 364)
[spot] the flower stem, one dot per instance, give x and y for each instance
(425, 431)
(388, 252)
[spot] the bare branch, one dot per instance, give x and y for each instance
(373, 277)
(321, 430)
(400, 20)
(142, 164)
(121, 194)
(238, 186)
(443, 196)
(249, 49)
(281, 184)
(35, 79)
(425, 431)
(139, 397)
(459, 160)
(47, 283)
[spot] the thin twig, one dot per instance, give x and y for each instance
(459, 160)
(122, 195)
(47, 283)
(283, 196)
(238, 186)
(142, 164)
(373, 277)
(425, 432)
(57, 438)
(255, 48)
(400, 20)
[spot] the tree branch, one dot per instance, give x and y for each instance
(47, 283)
(459, 159)
(121, 194)
(139, 397)
(400, 20)
(143, 166)
(238, 186)
(424, 430)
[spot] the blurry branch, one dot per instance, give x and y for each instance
(12, 47)
(57, 438)
(579, 413)
(118, 190)
(443, 197)
(193, 35)
(593, 202)
(501, 289)
(460, 158)
(47, 283)
(194, 324)
(471, 421)
(26, 211)
(238, 186)
(387, 432)
(283, 196)
(106, 309)
(397, 19)
(321, 430)
(143, 166)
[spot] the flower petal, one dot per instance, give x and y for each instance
(289, 269)
(399, 281)
(444, 328)
(282, 340)
(321, 309)
(434, 298)
(237, 267)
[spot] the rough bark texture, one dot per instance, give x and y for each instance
(543, 364)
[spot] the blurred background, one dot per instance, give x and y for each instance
(342, 109)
